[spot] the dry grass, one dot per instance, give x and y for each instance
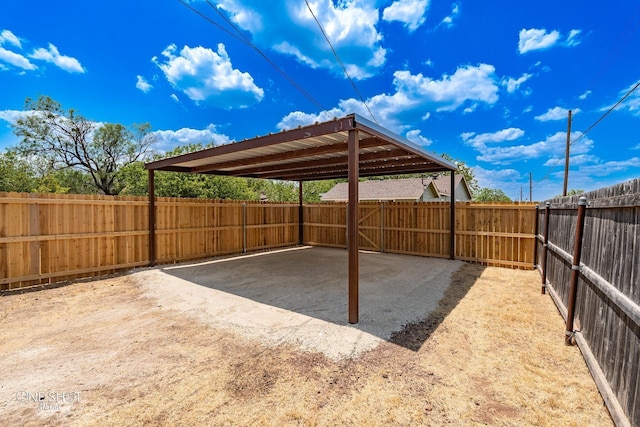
(492, 354)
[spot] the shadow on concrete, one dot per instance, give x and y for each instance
(403, 298)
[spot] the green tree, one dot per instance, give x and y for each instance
(134, 180)
(16, 173)
(313, 190)
(465, 171)
(490, 195)
(67, 140)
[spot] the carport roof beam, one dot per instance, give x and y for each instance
(289, 151)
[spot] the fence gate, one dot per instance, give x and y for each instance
(370, 226)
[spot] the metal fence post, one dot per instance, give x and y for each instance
(545, 246)
(535, 240)
(575, 269)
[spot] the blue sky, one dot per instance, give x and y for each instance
(488, 82)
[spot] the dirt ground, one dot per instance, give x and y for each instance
(107, 352)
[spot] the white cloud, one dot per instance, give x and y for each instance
(610, 167)
(167, 140)
(572, 38)
(539, 39)
(174, 97)
(415, 97)
(410, 12)
(52, 55)
(470, 109)
(455, 12)
(349, 25)
(578, 160)
(207, 76)
(468, 83)
(298, 118)
(8, 36)
(415, 136)
(528, 109)
(143, 85)
(637, 147)
(16, 59)
(496, 178)
(514, 84)
(585, 95)
(632, 103)
(481, 140)
(556, 113)
(12, 116)
(535, 39)
(553, 145)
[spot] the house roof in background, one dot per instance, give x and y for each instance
(315, 152)
(394, 189)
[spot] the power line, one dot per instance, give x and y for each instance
(242, 38)
(211, 21)
(340, 61)
(607, 113)
(594, 124)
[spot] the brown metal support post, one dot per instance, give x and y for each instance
(575, 269)
(535, 240)
(545, 246)
(152, 218)
(300, 215)
(352, 225)
(452, 219)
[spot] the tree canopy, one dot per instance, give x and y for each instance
(490, 195)
(64, 139)
(61, 151)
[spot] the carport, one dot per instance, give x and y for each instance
(350, 147)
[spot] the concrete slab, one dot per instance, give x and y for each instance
(299, 295)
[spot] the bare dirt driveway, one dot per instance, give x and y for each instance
(263, 340)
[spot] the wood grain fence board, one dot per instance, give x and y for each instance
(608, 298)
(53, 234)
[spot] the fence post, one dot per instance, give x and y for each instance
(382, 227)
(452, 218)
(300, 214)
(152, 218)
(545, 246)
(244, 228)
(535, 240)
(35, 249)
(575, 268)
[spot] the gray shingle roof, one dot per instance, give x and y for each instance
(391, 189)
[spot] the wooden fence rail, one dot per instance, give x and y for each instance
(49, 238)
(606, 323)
(492, 234)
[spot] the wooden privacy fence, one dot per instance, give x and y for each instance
(49, 238)
(499, 234)
(589, 257)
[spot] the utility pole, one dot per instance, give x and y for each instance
(566, 157)
(530, 187)
(521, 194)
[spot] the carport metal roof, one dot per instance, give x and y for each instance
(349, 147)
(315, 152)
